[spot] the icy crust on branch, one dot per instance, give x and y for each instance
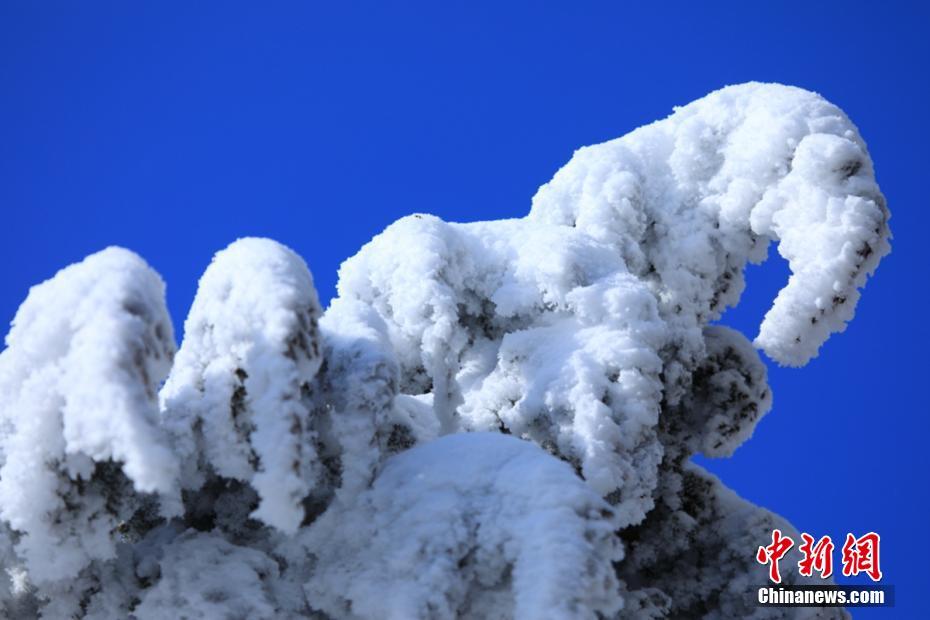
(473, 525)
(79, 429)
(689, 199)
(356, 464)
(236, 397)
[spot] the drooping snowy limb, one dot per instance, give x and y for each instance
(472, 525)
(688, 200)
(692, 557)
(79, 432)
(832, 226)
(235, 399)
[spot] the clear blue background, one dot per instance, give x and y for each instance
(174, 128)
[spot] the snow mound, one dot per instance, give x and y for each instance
(471, 525)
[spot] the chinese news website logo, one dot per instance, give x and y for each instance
(858, 555)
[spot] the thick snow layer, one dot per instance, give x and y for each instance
(251, 345)
(529, 329)
(78, 409)
(356, 464)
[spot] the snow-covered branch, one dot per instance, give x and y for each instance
(354, 463)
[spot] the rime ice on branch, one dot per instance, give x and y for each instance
(301, 464)
(235, 398)
(79, 428)
(688, 200)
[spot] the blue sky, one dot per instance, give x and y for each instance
(174, 128)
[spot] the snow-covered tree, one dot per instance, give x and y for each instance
(354, 463)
